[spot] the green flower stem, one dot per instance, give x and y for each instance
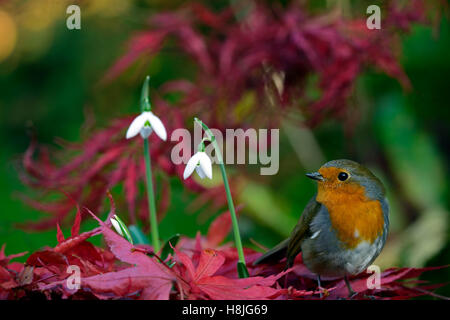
(151, 198)
(145, 100)
(242, 269)
(146, 106)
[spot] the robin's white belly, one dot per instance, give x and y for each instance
(338, 262)
(358, 259)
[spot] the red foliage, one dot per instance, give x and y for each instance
(234, 56)
(125, 271)
(201, 282)
(103, 161)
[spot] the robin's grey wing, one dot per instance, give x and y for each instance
(301, 230)
(273, 255)
(291, 246)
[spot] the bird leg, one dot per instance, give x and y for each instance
(351, 293)
(324, 290)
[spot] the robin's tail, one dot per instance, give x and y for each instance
(275, 254)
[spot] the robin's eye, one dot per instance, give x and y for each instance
(343, 176)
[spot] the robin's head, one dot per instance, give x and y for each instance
(346, 176)
(353, 197)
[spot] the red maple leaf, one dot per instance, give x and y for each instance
(4, 259)
(391, 285)
(200, 282)
(147, 274)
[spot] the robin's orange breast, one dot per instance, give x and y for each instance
(353, 216)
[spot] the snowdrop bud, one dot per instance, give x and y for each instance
(121, 228)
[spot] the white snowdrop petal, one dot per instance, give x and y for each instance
(157, 126)
(190, 166)
(205, 163)
(200, 172)
(136, 126)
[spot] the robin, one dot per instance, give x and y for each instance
(343, 227)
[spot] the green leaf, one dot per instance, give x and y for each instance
(242, 270)
(138, 236)
(412, 154)
(167, 248)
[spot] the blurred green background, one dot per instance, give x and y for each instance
(49, 81)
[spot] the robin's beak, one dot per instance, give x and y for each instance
(315, 176)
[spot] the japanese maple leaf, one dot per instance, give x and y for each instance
(4, 259)
(153, 278)
(8, 272)
(219, 229)
(146, 278)
(201, 281)
(74, 250)
(390, 287)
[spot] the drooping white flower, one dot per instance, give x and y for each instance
(201, 163)
(145, 124)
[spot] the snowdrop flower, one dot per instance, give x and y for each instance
(201, 163)
(121, 228)
(144, 124)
